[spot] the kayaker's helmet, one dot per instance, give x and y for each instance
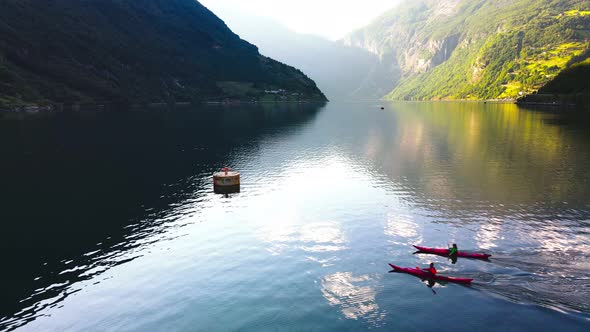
(431, 264)
(454, 245)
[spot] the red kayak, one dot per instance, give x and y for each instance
(425, 275)
(445, 252)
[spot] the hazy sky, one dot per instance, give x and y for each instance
(327, 18)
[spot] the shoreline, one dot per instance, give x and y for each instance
(63, 107)
(553, 101)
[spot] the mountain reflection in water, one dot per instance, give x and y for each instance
(110, 221)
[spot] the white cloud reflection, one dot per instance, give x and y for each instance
(354, 295)
(402, 226)
(317, 237)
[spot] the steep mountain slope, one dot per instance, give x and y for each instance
(341, 72)
(130, 50)
(477, 49)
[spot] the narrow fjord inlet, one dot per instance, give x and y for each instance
(161, 173)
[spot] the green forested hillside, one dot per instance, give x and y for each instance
(130, 51)
(478, 49)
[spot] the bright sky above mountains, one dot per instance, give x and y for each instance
(328, 18)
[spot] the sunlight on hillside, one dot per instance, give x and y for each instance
(542, 67)
(576, 12)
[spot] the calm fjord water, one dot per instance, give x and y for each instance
(109, 222)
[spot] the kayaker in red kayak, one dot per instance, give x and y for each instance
(427, 274)
(453, 251)
(430, 269)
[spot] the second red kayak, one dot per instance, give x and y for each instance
(425, 275)
(445, 252)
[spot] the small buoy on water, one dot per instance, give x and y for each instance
(226, 181)
(382, 107)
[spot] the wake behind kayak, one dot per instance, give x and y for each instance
(425, 275)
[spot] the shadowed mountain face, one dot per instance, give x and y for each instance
(139, 50)
(570, 87)
(340, 71)
(571, 81)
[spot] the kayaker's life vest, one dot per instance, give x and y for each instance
(431, 270)
(453, 251)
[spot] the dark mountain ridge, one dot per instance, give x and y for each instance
(131, 51)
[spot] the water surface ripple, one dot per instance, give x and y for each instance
(110, 221)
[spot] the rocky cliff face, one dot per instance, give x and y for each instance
(397, 38)
(474, 49)
(421, 56)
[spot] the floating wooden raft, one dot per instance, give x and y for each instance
(226, 178)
